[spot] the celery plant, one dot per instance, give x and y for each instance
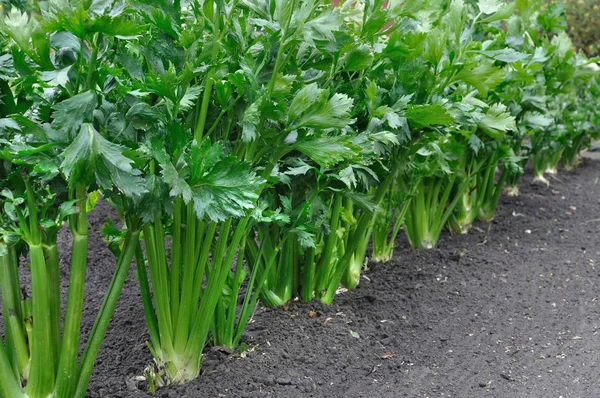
(486, 151)
(201, 191)
(43, 356)
(205, 235)
(391, 217)
(429, 210)
(325, 241)
(581, 123)
(62, 158)
(480, 199)
(430, 182)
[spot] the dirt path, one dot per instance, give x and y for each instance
(509, 310)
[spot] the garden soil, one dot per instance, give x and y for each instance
(509, 310)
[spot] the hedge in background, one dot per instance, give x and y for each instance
(583, 17)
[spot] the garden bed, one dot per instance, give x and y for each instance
(511, 309)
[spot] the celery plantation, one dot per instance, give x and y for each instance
(255, 153)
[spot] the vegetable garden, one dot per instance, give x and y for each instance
(256, 153)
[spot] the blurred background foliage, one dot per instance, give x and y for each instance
(583, 17)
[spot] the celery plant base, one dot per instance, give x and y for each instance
(461, 227)
(487, 214)
(427, 244)
(540, 179)
(571, 165)
(352, 276)
(166, 372)
(384, 257)
(511, 191)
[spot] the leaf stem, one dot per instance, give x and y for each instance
(67, 368)
(15, 334)
(9, 386)
(106, 311)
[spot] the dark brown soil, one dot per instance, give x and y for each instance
(509, 310)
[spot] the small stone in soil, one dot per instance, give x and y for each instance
(269, 380)
(284, 381)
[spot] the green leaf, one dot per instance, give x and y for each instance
(19, 27)
(428, 115)
(11, 211)
(178, 185)
(283, 85)
(189, 98)
(347, 176)
(297, 167)
(7, 123)
(164, 22)
(92, 200)
(303, 100)
(113, 237)
(99, 7)
(376, 22)
(156, 200)
(362, 200)
(90, 154)
(507, 55)
(142, 114)
(67, 209)
(563, 44)
(164, 84)
(505, 11)
(262, 214)
(359, 58)
(475, 143)
(120, 27)
(489, 6)
(402, 102)
(71, 113)
(322, 27)
(454, 18)
(172, 177)
(283, 10)
(202, 159)
(7, 69)
(7, 193)
(384, 141)
(536, 120)
(327, 151)
(482, 76)
(132, 64)
(218, 187)
(334, 113)
(228, 190)
(48, 167)
(305, 238)
(497, 121)
(47, 223)
(55, 78)
(250, 121)
(177, 139)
